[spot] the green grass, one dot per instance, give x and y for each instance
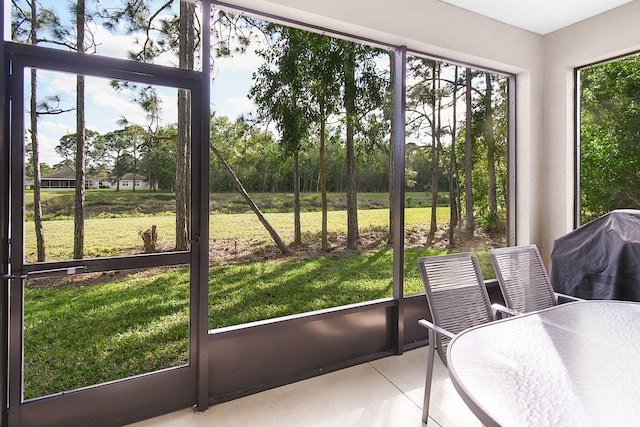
(77, 335)
(250, 292)
(120, 236)
(89, 329)
(58, 204)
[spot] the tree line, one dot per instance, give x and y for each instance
(323, 122)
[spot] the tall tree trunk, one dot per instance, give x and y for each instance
(272, 232)
(297, 234)
(435, 152)
(491, 157)
(323, 180)
(453, 199)
(135, 166)
(468, 158)
(392, 139)
(183, 149)
(78, 217)
(35, 159)
(35, 149)
(350, 109)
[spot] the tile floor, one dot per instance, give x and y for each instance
(384, 393)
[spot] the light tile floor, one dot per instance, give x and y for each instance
(385, 393)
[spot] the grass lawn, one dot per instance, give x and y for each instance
(76, 336)
(121, 236)
(89, 329)
(58, 204)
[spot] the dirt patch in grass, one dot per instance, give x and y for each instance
(224, 252)
(239, 252)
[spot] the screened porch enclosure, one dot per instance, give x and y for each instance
(225, 313)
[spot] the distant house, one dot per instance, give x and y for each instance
(66, 178)
(127, 182)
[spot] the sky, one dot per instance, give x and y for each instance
(105, 107)
(232, 79)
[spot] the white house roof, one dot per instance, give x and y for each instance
(65, 173)
(129, 177)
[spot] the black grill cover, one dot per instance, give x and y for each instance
(601, 259)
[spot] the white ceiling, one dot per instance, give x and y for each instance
(538, 16)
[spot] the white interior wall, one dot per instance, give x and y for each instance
(434, 27)
(611, 34)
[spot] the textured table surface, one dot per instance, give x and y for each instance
(576, 364)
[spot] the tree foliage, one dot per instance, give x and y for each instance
(330, 101)
(609, 136)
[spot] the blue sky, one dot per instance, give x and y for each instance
(232, 79)
(104, 106)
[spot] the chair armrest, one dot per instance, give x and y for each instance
(569, 298)
(499, 308)
(435, 328)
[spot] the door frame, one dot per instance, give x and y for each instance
(146, 395)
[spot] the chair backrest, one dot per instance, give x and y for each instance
(456, 294)
(523, 278)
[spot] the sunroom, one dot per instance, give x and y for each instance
(187, 283)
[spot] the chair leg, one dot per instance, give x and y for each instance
(427, 384)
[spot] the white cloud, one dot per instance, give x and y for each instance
(247, 61)
(113, 45)
(235, 107)
(49, 134)
(104, 108)
(169, 105)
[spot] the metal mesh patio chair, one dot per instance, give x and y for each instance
(457, 300)
(523, 279)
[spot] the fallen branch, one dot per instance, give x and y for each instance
(272, 232)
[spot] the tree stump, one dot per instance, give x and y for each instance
(150, 237)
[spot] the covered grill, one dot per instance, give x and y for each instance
(601, 259)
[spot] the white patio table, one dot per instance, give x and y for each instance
(576, 364)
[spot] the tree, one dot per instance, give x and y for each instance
(281, 89)
(493, 219)
(183, 153)
(26, 23)
(35, 148)
(350, 116)
(143, 138)
(453, 168)
(278, 90)
(78, 212)
(272, 232)
(325, 64)
(177, 34)
(118, 146)
(140, 141)
(609, 133)
(163, 156)
(79, 40)
(424, 105)
(67, 147)
(364, 94)
(468, 156)
(436, 104)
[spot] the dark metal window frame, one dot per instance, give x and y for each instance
(400, 331)
(181, 384)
